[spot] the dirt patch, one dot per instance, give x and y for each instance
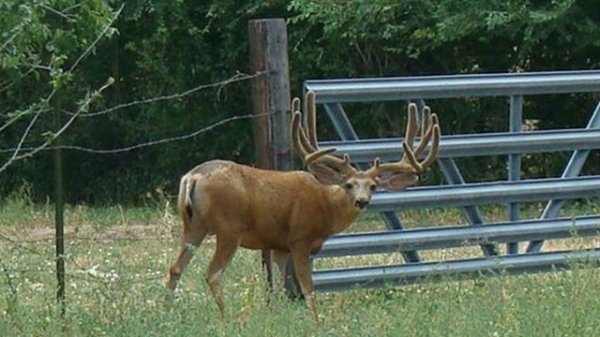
(114, 232)
(13, 236)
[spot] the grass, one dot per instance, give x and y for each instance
(117, 260)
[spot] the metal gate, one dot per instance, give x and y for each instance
(513, 143)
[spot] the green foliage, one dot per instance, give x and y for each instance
(166, 48)
(158, 48)
(43, 46)
(382, 36)
(454, 36)
(388, 38)
(42, 40)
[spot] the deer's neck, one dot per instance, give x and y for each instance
(343, 210)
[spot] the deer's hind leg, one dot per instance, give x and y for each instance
(227, 244)
(192, 238)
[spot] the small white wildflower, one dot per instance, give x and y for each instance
(37, 286)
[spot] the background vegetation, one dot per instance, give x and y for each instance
(65, 58)
(158, 47)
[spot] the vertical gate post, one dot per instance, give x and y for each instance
(514, 162)
(271, 101)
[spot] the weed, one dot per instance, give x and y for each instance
(117, 263)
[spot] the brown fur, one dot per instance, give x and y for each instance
(288, 212)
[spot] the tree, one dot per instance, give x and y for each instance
(159, 48)
(44, 45)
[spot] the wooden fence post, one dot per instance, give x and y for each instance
(271, 100)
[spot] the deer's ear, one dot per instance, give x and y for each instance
(326, 174)
(396, 179)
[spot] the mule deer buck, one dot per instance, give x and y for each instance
(291, 213)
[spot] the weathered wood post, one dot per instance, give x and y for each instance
(271, 101)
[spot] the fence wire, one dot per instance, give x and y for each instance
(220, 85)
(86, 272)
(92, 265)
(37, 109)
(30, 151)
(17, 247)
(145, 144)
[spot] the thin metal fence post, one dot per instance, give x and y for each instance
(59, 224)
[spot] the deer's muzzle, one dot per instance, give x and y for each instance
(361, 203)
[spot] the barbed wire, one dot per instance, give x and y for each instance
(21, 151)
(81, 107)
(164, 140)
(88, 238)
(84, 105)
(73, 115)
(145, 144)
(17, 116)
(27, 246)
(90, 272)
(18, 244)
(235, 78)
(78, 271)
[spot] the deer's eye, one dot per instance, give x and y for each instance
(348, 186)
(373, 187)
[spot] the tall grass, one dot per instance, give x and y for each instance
(116, 289)
(117, 261)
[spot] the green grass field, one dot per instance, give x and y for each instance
(117, 261)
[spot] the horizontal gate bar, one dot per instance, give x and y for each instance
(368, 277)
(422, 87)
(476, 144)
(458, 236)
(487, 193)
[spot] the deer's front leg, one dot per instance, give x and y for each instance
(280, 258)
(300, 253)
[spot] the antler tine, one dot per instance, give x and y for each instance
(435, 144)
(303, 137)
(426, 131)
(297, 134)
(431, 125)
(409, 156)
(310, 108)
(431, 156)
(302, 144)
(295, 105)
(411, 127)
(302, 141)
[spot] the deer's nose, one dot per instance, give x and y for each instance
(361, 203)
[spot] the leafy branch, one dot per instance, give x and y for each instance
(59, 80)
(51, 137)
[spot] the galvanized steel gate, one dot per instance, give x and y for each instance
(331, 93)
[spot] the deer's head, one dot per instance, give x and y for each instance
(359, 185)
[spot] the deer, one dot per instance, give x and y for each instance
(291, 213)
